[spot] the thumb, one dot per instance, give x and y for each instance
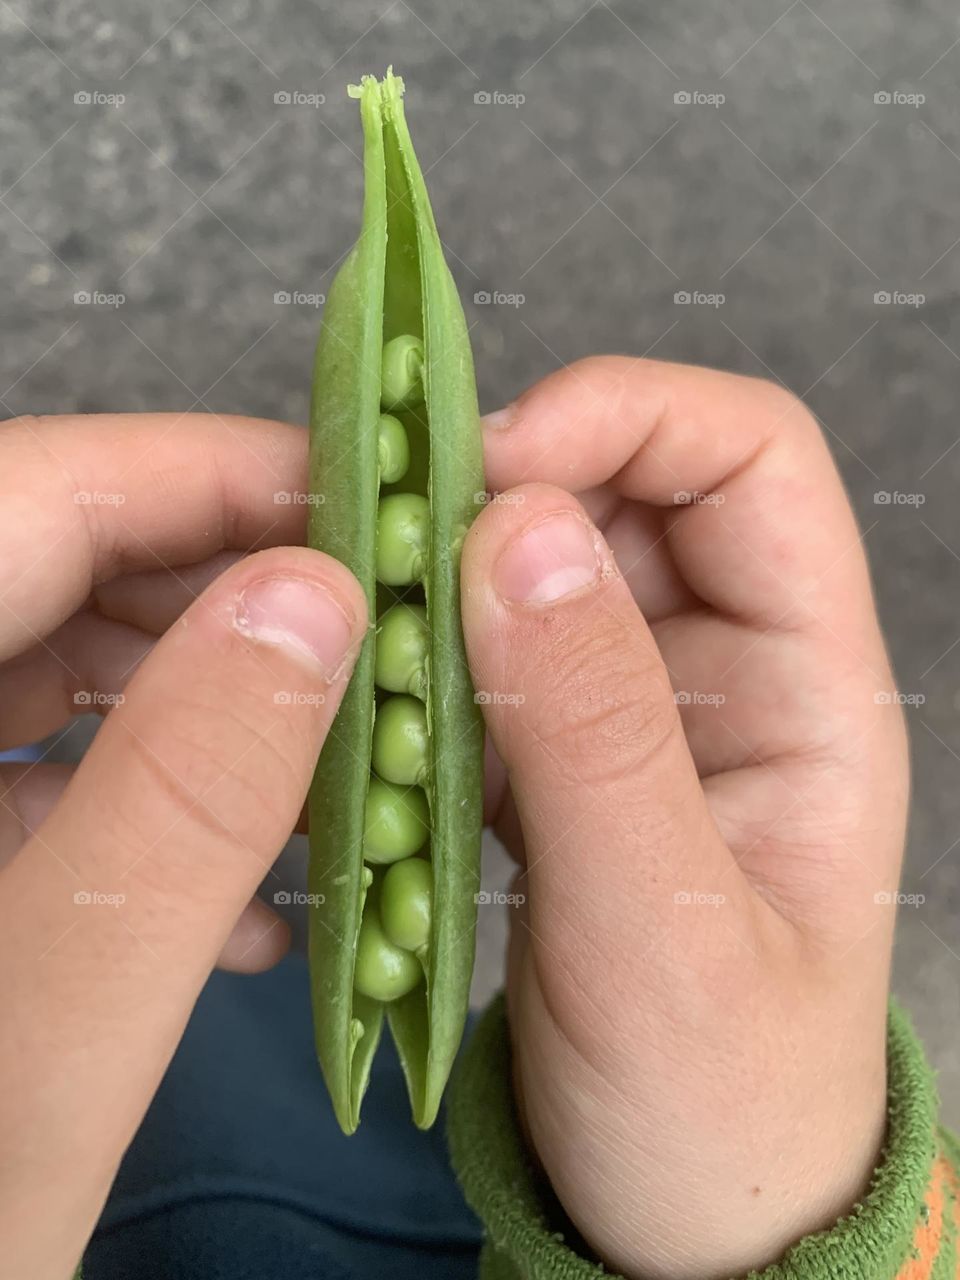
(113, 914)
(580, 707)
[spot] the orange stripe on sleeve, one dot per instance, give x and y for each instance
(928, 1233)
(953, 1181)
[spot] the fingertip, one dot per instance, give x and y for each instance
(493, 558)
(551, 432)
(303, 601)
(316, 565)
(508, 512)
(258, 941)
(499, 420)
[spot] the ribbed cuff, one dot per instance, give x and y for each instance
(904, 1229)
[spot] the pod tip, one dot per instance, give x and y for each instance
(391, 84)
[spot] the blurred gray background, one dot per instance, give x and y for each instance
(802, 160)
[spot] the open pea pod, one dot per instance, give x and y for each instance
(396, 802)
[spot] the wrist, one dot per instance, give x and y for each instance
(528, 1237)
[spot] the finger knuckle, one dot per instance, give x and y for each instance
(175, 789)
(788, 411)
(223, 775)
(607, 709)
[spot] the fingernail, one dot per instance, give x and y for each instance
(551, 560)
(296, 614)
(500, 420)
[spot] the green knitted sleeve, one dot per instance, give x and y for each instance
(904, 1229)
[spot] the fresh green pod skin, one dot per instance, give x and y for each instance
(403, 538)
(397, 822)
(401, 747)
(347, 1025)
(406, 903)
(395, 283)
(393, 449)
(401, 373)
(383, 970)
(403, 643)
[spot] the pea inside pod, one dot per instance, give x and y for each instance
(403, 538)
(393, 449)
(406, 904)
(395, 807)
(384, 970)
(397, 822)
(401, 372)
(403, 645)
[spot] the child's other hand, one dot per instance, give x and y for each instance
(707, 785)
(125, 880)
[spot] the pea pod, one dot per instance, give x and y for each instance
(395, 469)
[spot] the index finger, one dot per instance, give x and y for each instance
(760, 525)
(83, 498)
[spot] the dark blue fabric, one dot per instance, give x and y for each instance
(239, 1171)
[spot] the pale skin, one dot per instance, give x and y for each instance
(698, 980)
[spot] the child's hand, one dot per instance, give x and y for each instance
(709, 782)
(125, 880)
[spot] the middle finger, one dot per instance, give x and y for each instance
(86, 663)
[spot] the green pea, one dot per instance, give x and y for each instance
(397, 822)
(401, 742)
(403, 534)
(382, 970)
(402, 645)
(401, 373)
(393, 449)
(406, 902)
(429, 735)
